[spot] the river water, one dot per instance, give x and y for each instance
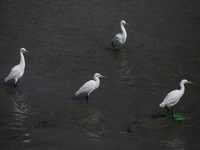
(69, 41)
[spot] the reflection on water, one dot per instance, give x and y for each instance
(93, 117)
(174, 141)
(17, 111)
(123, 68)
(19, 108)
(93, 120)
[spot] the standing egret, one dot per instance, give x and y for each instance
(120, 38)
(173, 97)
(18, 70)
(90, 86)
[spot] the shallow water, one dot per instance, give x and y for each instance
(69, 41)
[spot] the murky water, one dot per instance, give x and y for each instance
(69, 41)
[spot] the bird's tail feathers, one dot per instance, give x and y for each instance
(162, 104)
(6, 79)
(77, 93)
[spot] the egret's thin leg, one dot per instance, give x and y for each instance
(113, 45)
(168, 111)
(15, 85)
(172, 111)
(87, 98)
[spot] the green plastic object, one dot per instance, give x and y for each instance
(179, 117)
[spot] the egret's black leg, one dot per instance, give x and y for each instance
(172, 111)
(87, 98)
(168, 111)
(113, 45)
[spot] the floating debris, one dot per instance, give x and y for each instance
(179, 117)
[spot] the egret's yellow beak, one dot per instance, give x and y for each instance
(190, 82)
(27, 51)
(102, 76)
(126, 24)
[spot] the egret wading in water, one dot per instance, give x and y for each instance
(17, 71)
(90, 86)
(173, 97)
(120, 38)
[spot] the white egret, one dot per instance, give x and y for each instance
(18, 70)
(120, 38)
(90, 86)
(173, 97)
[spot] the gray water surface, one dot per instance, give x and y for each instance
(69, 41)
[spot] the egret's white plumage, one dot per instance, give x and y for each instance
(173, 97)
(90, 86)
(18, 70)
(120, 38)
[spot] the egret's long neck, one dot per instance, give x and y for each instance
(124, 33)
(22, 60)
(96, 79)
(182, 87)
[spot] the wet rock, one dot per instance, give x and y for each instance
(150, 123)
(44, 124)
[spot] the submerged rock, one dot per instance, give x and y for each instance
(45, 124)
(150, 123)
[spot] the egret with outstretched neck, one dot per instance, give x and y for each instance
(90, 86)
(17, 71)
(120, 38)
(173, 97)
